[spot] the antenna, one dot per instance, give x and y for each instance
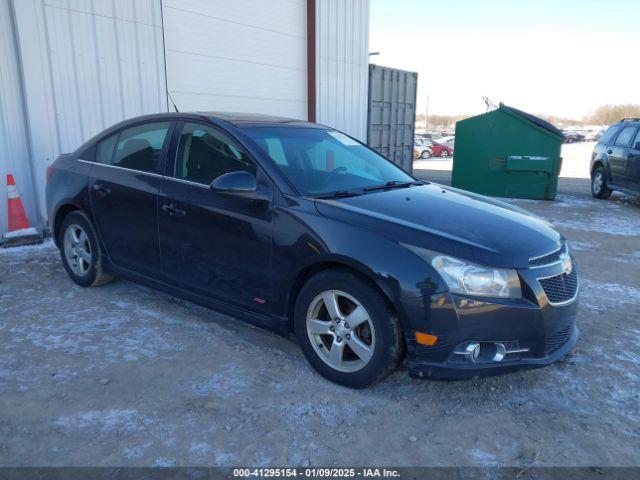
(174, 103)
(490, 105)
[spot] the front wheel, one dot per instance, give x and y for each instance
(599, 188)
(346, 329)
(425, 154)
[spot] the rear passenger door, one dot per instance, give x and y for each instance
(214, 244)
(123, 189)
(618, 155)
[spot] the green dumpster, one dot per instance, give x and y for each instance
(507, 153)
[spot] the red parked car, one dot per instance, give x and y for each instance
(440, 150)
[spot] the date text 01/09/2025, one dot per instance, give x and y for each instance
(315, 472)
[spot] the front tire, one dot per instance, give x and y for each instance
(599, 188)
(346, 329)
(81, 254)
(425, 154)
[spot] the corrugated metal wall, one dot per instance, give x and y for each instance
(342, 59)
(241, 55)
(392, 112)
(14, 146)
(87, 65)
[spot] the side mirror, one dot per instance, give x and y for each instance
(238, 184)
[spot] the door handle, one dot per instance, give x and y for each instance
(101, 190)
(629, 155)
(173, 211)
(609, 152)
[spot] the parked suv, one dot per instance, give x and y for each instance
(615, 162)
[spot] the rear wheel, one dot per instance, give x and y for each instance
(81, 255)
(346, 329)
(444, 153)
(599, 188)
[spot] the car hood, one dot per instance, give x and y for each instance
(450, 221)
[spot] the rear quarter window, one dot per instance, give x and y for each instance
(104, 150)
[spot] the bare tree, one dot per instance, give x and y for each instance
(608, 114)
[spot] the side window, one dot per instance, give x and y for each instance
(624, 139)
(104, 152)
(204, 154)
(636, 142)
(609, 134)
(139, 147)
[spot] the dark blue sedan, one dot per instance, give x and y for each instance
(301, 229)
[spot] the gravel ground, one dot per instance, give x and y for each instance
(124, 375)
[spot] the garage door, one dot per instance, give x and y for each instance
(242, 56)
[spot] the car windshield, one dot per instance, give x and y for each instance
(321, 162)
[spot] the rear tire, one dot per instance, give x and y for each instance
(368, 349)
(444, 153)
(80, 252)
(599, 188)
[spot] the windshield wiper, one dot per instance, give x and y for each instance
(339, 194)
(393, 184)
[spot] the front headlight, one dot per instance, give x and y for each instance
(471, 279)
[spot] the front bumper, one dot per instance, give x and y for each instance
(547, 332)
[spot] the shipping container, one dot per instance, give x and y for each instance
(391, 114)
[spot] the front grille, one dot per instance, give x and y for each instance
(556, 340)
(552, 257)
(561, 288)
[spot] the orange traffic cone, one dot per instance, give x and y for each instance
(20, 231)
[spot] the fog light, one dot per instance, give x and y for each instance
(487, 352)
(472, 352)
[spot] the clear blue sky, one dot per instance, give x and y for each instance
(562, 57)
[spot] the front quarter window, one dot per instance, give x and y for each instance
(320, 161)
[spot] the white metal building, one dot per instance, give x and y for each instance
(70, 68)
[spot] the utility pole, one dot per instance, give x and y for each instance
(426, 116)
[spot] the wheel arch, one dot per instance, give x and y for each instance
(597, 163)
(384, 285)
(62, 211)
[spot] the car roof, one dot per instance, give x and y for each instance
(239, 119)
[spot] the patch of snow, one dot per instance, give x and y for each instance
(106, 421)
(601, 223)
(23, 232)
(27, 249)
(483, 458)
(581, 246)
(598, 296)
(201, 449)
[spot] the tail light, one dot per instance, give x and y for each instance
(48, 173)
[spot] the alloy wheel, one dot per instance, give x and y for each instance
(77, 249)
(598, 182)
(340, 331)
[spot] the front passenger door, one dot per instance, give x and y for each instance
(215, 244)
